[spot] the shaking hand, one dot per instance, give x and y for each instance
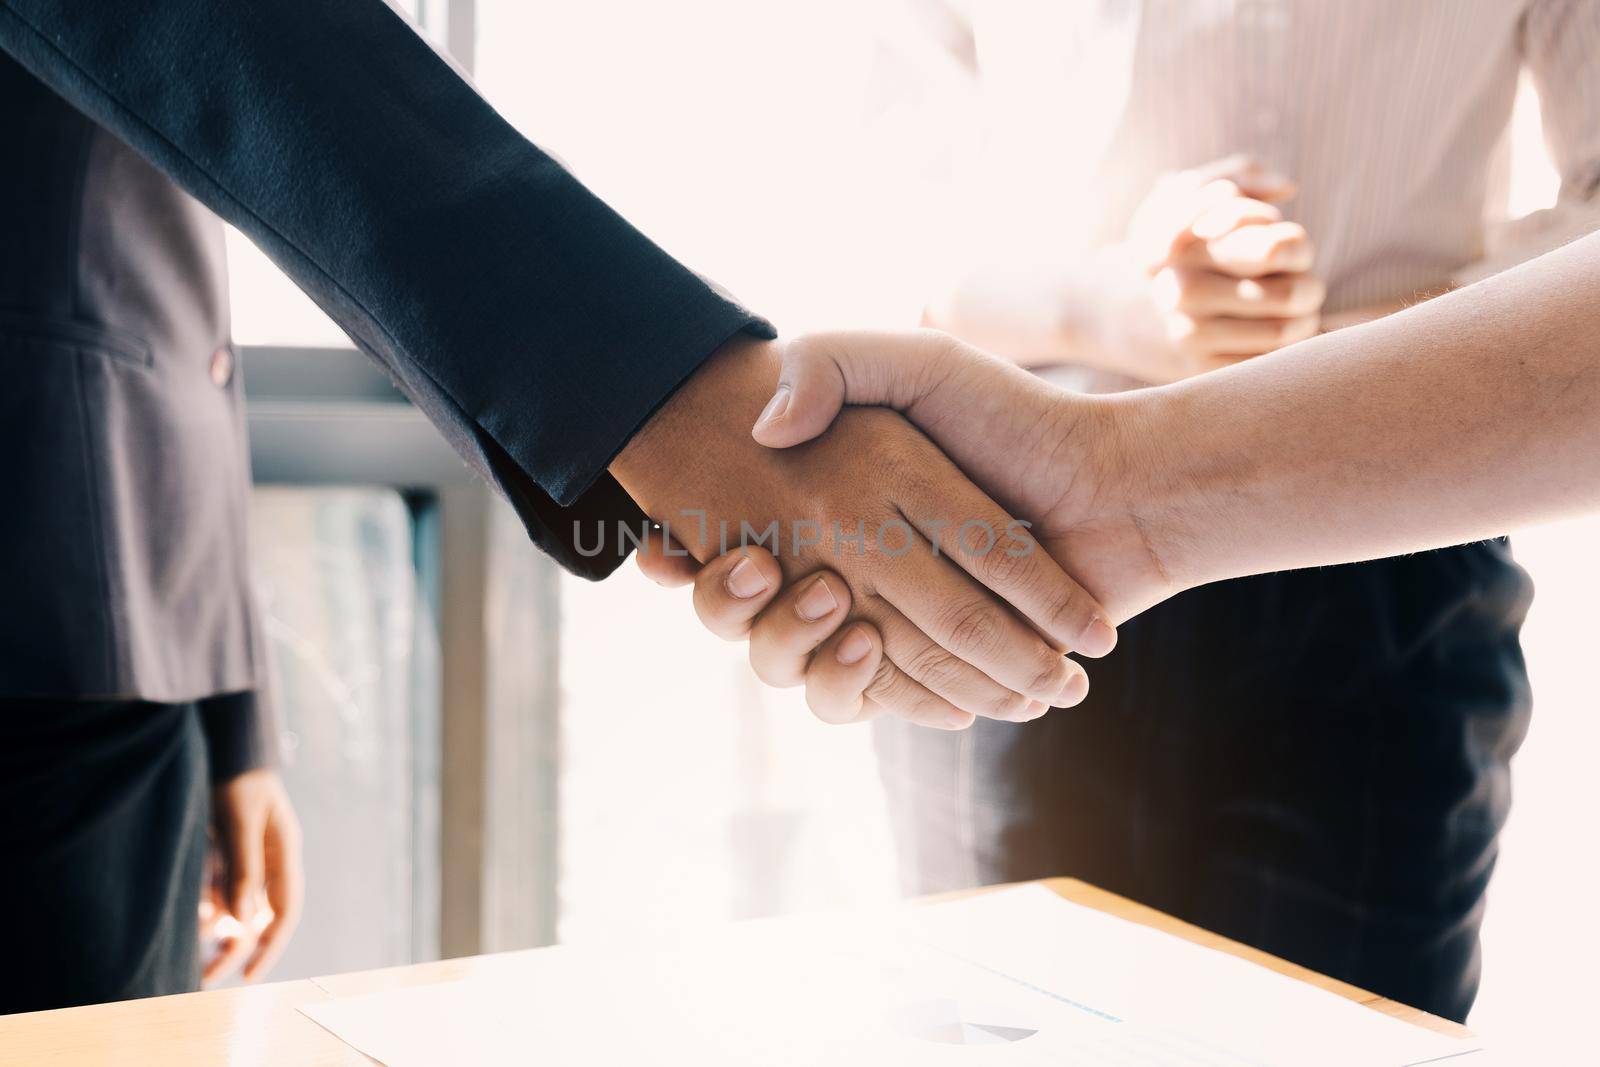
(967, 614)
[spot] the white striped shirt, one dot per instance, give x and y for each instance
(1390, 114)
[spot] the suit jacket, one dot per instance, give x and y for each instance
(123, 532)
(535, 327)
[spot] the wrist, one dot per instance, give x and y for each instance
(685, 438)
(1168, 479)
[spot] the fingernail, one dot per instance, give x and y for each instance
(775, 407)
(1034, 710)
(1097, 639)
(958, 719)
(854, 648)
(816, 602)
(745, 580)
(1074, 691)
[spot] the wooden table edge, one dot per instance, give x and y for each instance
(1131, 910)
(223, 1020)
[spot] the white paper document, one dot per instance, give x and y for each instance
(1019, 977)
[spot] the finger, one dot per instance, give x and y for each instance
(928, 375)
(891, 691)
(821, 373)
(733, 589)
(1230, 215)
(233, 938)
(838, 675)
(234, 950)
(1206, 293)
(666, 562)
(245, 863)
(1275, 248)
(968, 527)
(801, 618)
(946, 674)
(285, 889)
(1233, 337)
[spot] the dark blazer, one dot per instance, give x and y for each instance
(122, 542)
(535, 327)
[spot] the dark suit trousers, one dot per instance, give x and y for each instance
(103, 813)
(1315, 763)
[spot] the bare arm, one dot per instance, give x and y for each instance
(1459, 419)
(1462, 418)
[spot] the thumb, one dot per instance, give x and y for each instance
(823, 372)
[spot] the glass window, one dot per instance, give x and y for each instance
(353, 672)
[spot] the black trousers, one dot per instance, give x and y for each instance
(1315, 763)
(103, 814)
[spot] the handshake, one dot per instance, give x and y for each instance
(913, 527)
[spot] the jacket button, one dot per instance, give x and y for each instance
(222, 366)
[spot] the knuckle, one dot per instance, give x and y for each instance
(1005, 705)
(938, 342)
(884, 682)
(935, 668)
(1068, 612)
(1002, 570)
(1277, 292)
(1049, 675)
(974, 630)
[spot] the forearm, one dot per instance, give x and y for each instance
(1466, 417)
(524, 317)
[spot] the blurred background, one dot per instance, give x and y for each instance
(489, 754)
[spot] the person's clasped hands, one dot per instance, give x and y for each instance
(1228, 277)
(1060, 460)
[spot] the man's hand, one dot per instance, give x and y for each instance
(1229, 279)
(1069, 461)
(257, 883)
(1043, 451)
(836, 661)
(974, 617)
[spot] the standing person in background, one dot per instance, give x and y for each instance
(1315, 763)
(134, 728)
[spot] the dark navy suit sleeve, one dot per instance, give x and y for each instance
(532, 324)
(238, 734)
